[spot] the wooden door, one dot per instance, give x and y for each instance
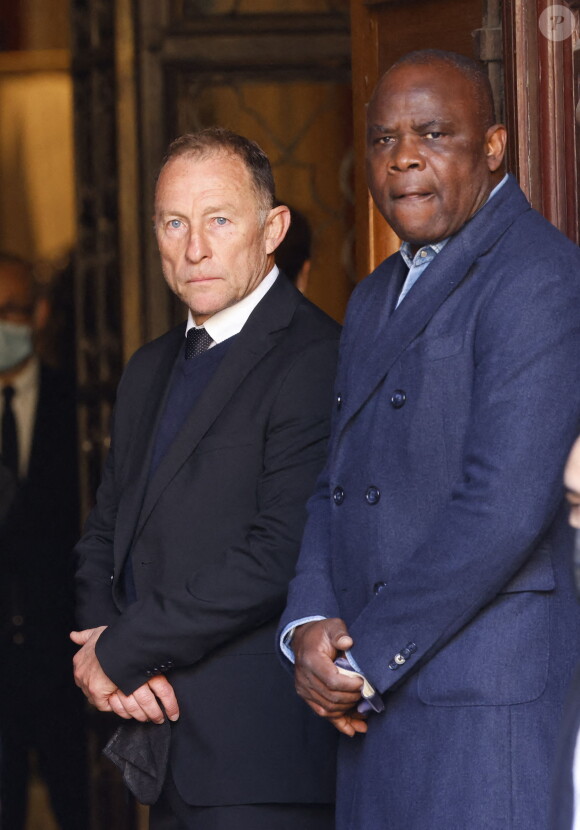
(382, 31)
(542, 72)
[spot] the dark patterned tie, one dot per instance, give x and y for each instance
(198, 341)
(9, 432)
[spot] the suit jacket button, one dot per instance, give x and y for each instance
(399, 659)
(398, 399)
(148, 673)
(373, 495)
(378, 587)
(338, 495)
(412, 647)
(339, 402)
(393, 666)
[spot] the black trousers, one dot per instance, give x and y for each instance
(172, 813)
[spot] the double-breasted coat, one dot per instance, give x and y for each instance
(438, 533)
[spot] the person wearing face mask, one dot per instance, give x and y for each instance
(40, 708)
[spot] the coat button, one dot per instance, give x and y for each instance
(148, 673)
(339, 401)
(338, 495)
(393, 666)
(412, 647)
(399, 659)
(398, 399)
(373, 495)
(378, 587)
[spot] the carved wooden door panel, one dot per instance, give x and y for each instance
(97, 256)
(542, 96)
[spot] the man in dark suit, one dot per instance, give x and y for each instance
(40, 708)
(186, 558)
(436, 554)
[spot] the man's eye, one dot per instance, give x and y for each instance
(385, 139)
(434, 134)
(175, 223)
(221, 220)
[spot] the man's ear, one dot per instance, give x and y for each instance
(277, 225)
(495, 146)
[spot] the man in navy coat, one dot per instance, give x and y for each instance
(436, 553)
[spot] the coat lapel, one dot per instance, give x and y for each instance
(372, 359)
(259, 335)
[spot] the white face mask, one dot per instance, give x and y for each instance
(15, 344)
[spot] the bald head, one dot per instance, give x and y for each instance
(473, 71)
(432, 159)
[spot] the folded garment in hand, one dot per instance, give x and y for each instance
(141, 751)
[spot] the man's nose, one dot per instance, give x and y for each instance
(197, 246)
(406, 155)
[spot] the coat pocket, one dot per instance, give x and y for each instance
(501, 657)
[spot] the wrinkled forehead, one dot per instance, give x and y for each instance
(192, 173)
(206, 159)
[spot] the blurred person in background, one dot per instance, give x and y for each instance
(294, 254)
(40, 708)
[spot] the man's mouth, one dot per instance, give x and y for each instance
(411, 195)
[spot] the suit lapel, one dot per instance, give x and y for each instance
(258, 336)
(137, 471)
(371, 363)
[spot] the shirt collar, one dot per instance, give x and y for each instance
(231, 320)
(428, 252)
(27, 378)
(424, 254)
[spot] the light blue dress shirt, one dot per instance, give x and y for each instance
(425, 255)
